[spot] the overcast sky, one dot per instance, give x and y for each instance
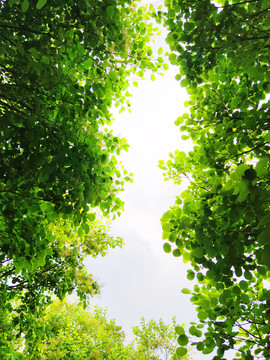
(140, 280)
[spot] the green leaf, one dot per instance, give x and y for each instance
(200, 346)
(184, 82)
(262, 167)
(165, 66)
(244, 191)
(172, 237)
(91, 216)
(176, 252)
(25, 5)
(172, 57)
(198, 252)
(248, 275)
(179, 330)
(240, 170)
(166, 227)
(200, 277)
(265, 258)
(34, 52)
(20, 49)
(185, 291)
(182, 340)
(41, 4)
(190, 275)
(267, 137)
(110, 11)
(202, 315)
(45, 60)
(185, 137)
(243, 285)
(167, 248)
(250, 174)
(237, 290)
(210, 274)
(87, 63)
(181, 351)
(194, 331)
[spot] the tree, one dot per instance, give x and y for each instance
(62, 65)
(156, 340)
(220, 224)
(68, 331)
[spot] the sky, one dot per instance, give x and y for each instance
(141, 280)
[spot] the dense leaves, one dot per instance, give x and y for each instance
(157, 340)
(62, 65)
(220, 224)
(67, 331)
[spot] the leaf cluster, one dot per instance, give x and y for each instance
(68, 331)
(220, 223)
(62, 65)
(156, 340)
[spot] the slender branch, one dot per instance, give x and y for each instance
(11, 107)
(4, 261)
(6, 38)
(254, 38)
(240, 3)
(16, 101)
(7, 272)
(257, 329)
(258, 14)
(245, 152)
(246, 331)
(24, 29)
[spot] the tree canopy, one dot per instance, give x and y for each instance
(157, 340)
(220, 224)
(67, 331)
(63, 64)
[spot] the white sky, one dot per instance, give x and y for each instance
(141, 280)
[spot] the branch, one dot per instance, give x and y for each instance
(254, 38)
(16, 101)
(245, 152)
(259, 13)
(11, 107)
(246, 331)
(6, 38)
(240, 3)
(24, 29)
(7, 272)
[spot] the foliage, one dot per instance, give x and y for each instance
(220, 224)
(156, 340)
(68, 331)
(62, 65)
(21, 309)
